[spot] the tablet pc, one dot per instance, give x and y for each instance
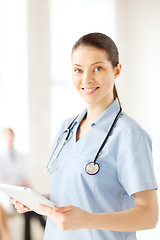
(26, 196)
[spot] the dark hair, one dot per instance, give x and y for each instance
(102, 41)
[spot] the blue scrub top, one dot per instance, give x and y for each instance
(126, 167)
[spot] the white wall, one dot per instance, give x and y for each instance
(39, 91)
(14, 71)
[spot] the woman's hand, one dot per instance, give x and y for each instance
(20, 207)
(66, 218)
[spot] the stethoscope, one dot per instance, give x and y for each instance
(91, 168)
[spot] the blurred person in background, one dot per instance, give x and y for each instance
(13, 164)
(13, 170)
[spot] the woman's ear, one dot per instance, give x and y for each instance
(118, 70)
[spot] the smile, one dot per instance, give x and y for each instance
(90, 90)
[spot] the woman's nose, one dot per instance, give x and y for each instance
(87, 77)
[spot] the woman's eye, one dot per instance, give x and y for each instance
(78, 70)
(98, 69)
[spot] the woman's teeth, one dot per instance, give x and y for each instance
(89, 89)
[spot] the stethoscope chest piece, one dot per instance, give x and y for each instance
(92, 168)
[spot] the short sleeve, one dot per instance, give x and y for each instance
(134, 162)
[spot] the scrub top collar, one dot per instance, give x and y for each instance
(80, 117)
(105, 120)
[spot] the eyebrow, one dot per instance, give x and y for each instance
(90, 65)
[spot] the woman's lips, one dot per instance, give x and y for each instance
(90, 91)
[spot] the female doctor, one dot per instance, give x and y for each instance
(102, 179)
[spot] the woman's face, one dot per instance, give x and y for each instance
(93, 74)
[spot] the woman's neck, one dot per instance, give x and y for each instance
(94, 111)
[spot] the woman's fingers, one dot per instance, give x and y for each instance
(48, 210)
(64, 209)
(65, 217)
(20, 207)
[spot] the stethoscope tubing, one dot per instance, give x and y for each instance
(110, 130)
(68, 130)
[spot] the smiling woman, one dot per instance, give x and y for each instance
(113, 197)
(91, 77)
(95, 61)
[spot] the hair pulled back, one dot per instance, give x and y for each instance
(101, 41)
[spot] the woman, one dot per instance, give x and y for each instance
(115, 196)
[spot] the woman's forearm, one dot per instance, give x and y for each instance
(143, 216)
(138, 218)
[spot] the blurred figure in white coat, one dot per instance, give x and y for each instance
(13, 170)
